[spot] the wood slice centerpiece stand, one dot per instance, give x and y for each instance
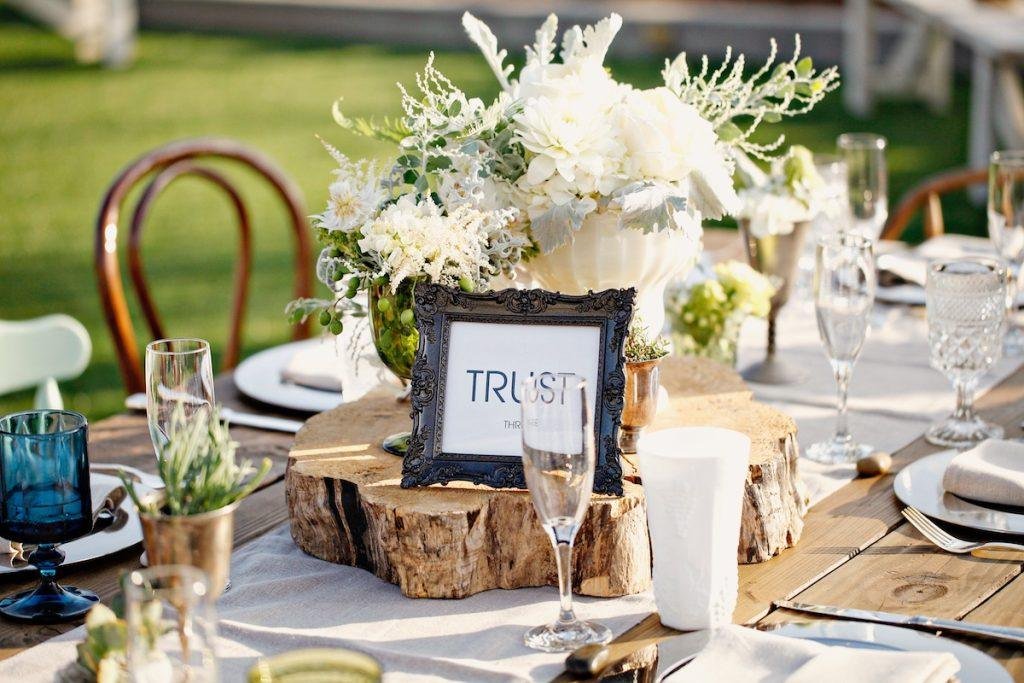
(346, 505)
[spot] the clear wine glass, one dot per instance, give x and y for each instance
(966, 303)
(170, 625)
(558, 460)
(832, 214)
(177, 371)
(1006, 230)
(844, 293)
(867, 181)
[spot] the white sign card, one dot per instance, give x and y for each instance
(487, 362)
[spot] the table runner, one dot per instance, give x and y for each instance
(282, 599)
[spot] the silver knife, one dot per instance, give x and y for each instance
(235, 417)
(595, 661)
(1005, 634)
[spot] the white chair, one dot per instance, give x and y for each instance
(38, 352)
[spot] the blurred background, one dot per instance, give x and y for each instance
(86, 86)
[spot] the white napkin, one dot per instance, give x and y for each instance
(991, 472)
(912, 264)
(741, 655)
(335, 366)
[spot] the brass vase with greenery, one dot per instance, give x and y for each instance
(395, 337)
(191, 521)
(643, 384)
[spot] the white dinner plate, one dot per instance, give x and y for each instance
(259, 377)
(93, 546)
(975, 666)
(919, 485)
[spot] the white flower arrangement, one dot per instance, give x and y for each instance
(790, 193)
(475, 187)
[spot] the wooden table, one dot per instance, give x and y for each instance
(856, 550)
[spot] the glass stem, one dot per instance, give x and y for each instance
(964, 400)
(563, 560)
(842, 372)
(46, 558)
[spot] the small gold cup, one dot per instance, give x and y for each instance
(641, 401)
(203, 541)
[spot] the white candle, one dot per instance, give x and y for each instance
(693, 480)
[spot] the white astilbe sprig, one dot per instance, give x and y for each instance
(736, 105)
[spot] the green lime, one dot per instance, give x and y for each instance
(406, 317)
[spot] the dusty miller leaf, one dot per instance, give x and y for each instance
(648, 207)
(557, 225)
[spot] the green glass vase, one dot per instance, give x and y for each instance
(395, 337)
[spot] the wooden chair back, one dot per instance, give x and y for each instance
(927, 196)
(163, 166)
(40, 351)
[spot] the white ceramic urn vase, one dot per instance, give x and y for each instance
(605, 256)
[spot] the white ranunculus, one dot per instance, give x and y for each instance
(769, 213)
(665, 138)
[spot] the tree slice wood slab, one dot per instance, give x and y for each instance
(347, 506)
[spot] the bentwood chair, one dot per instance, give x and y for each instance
(162, 166)
(40, 351)
(927, 196)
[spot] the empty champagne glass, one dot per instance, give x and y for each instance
(1006, 230)
(844, 293)
(966, 303)
(171, 625)
(558, 460)
(867, 182)
(177, 371)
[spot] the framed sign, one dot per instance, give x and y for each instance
(474, 350)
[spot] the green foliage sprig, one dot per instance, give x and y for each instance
(640, 346)
(198, 468)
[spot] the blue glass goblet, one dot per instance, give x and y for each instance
(45, 500)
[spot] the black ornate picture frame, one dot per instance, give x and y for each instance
(437, 307)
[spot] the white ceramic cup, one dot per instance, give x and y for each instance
(693, 480)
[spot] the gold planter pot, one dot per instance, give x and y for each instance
(641, 401)
(203, 541)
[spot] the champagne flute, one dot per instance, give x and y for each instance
(867, 182)
(844, 293)
(1006, 230)
(966, 303)
(178, 371)
(558, 461)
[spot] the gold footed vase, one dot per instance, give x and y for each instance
(395, 337)
(775, 256)
(203, 541)
(640, 405)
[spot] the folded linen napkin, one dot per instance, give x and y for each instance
(742, 655)
(911, 265)
(991, 472)
(335, 367)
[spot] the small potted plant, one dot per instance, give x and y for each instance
(706, 321)
(191, 521)
(643, 354)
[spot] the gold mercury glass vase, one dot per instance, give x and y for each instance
(641, 402)
(395, 337)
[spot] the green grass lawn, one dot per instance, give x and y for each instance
(65, 130)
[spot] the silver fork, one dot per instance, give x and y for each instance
(941, 538)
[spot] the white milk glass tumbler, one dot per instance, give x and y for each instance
(693, 480)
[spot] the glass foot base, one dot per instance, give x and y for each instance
(48, 604)
(397, 444)
(960, 434)
(565, 637)
(773, 371)
(834, 452)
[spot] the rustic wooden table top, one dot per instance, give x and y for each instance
(856, 549)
